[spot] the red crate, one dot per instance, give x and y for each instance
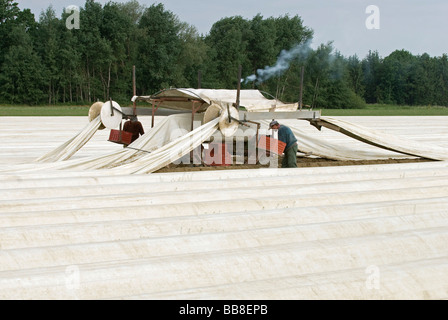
(120, 136)
(271, 145)
(223, 158)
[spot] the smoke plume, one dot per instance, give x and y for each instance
(283, 62)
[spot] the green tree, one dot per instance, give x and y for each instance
(327, 82)
(135, 35)
(96, 53)
(47, 46)
(9, 11)
(293, 38)
(69, 62)
(21, 79)
(159, 49)
(10, 17)
(192, 57)
(46, 62)
(228, 40)
(372, 68)
(116, 29)
(442, 80)
(395, 85)
(291, 32)
(261, 45)
(421, 80)
(355, 75)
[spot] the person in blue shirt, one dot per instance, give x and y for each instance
(287, 136)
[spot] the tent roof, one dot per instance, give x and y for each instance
(183, 98)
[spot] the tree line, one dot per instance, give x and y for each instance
(44, 62)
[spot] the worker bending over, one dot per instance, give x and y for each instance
(287, 136)
(134, 126)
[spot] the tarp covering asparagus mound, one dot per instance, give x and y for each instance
(333, 232)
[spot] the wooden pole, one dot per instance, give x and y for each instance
(315, 93)
(153, 114)
(199, 79)
(134, 106)
(301, 88)
(238, 87)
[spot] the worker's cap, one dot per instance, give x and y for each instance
(273, 123)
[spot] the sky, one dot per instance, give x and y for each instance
(354, 26)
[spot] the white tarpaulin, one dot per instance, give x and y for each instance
(387, 141)
(314, 145)
(345, 232)
(181, 99)
(160, 146)
(385, 145)
(171, 139)
(66, 150)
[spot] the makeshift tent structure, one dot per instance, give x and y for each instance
(184, 99)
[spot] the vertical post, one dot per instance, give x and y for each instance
(193, 111)
(134, 107)
(193, 154)
(238, 87)
(199, 79)
(301, 88)
(111, 107)
(153, 113)
(315, 94)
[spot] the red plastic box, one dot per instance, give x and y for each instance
(120, 136)
(223, 158)
(271, 144)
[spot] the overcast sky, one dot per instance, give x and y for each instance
(414, 25)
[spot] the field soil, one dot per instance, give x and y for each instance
(302, 162)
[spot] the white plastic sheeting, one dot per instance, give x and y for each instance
(351, 232)
(252, 100)
(388, 141)
(136, 159)
(167, 142)
(170, 140)
(312, 144)
(66, 150)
